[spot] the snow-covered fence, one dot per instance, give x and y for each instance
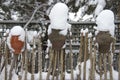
(75, 43)
(77, 26)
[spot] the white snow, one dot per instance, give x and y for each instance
(15, 15)
(67, 75)
(100, 6)
(31, 35)
(7, 3)
(88, 17)
(58, 18)
(35, 34)
(90, 35)
(46, 56)
(105, 21)
(71, 16)
(84, 31)
(16, 30)
(79, 14)
(97, 76)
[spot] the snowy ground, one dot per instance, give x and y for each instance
(67, 75)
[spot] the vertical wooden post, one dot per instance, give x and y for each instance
(0, 59)
(6, 61)
(110, 64)
(62, 65)
(21, 69)
(85, 55)
(26, 59)
(58, 65)
(119, 66)
(100, 65)
(80, 56)
(54, 64)
(50, 64)
(12, 65)
(105, 66)
(33, 61)
(71, 56)
(94, 62)
(91, 59)
(40, 58)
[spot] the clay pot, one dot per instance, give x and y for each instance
(57, 39)
(16, 44)
(104, 39)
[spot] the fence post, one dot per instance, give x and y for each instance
(100, 65)
(26, 60)
(40, 58)
(33, 60)
(21, 68)
(71, 56)
(119, 66)
(85, 55)
(94, 62)
(91, 58)
(14, 62)
(50, 64)
(105, 65)
(54, 64)
(110, 64)
(80, 56)
(62, 65)
(6, 61)
(58, 65)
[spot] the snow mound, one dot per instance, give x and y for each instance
(58, 16)
(105, 21)
(18, 30)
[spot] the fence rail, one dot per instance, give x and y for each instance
(76, 27)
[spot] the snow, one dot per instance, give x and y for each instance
(15, 15)
(90, 35)
(31, 35)
(46, 56)
(97, 76)
(58, 15)
(93, 2)
(100, 6)
(1, 15)
(49, 44)
(79, 14)
(50, 2)
(7, 2)
(105, 21)
(88, 17)
(67, 75)
(58, 18)
(84, 31)
(16, 30)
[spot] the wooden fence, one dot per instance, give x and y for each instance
(34, 65)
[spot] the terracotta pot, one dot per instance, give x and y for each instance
(16, 44)
(57, 39)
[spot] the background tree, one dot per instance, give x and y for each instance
(25, 8)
